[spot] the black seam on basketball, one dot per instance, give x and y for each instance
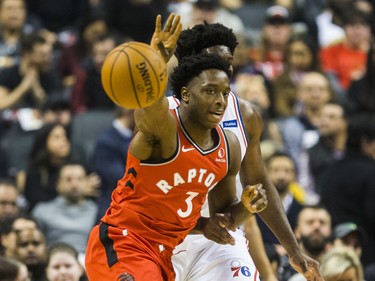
(132, 80)
(153, 70)
(110, 78)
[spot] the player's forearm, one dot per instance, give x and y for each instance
(153, 116)
(239, 213)
(275, 218)
(257, 250)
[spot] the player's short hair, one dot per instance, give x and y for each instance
(191, 67)
(193, 40)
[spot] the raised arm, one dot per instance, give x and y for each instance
(156, 131)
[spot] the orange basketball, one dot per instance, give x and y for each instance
(134, 75)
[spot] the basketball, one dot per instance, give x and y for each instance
(134, 75)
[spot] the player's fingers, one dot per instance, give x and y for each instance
(260, 205)
(222, 235)
(172, 40)
(260, 195)
(175, 23)
(158, 23)
(168, 25)
(229, 222)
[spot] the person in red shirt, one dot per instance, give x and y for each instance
(345, 61)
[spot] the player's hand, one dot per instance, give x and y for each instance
(165, 41)
(254, 198)
(307, 266)
(216, 229)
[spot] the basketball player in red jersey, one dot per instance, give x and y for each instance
(212, 40)
(174, 159)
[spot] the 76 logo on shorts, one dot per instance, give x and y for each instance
(239, 270)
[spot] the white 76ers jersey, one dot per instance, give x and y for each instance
(232, 120)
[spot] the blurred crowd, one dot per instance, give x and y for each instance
(309, 65)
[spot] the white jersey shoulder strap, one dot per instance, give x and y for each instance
(232, 120)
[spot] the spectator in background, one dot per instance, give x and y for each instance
(31, 249)
(346, 61)
(329, 23)
(12, 22)
(347, 186)
(74, 215)
(8, 200)
(74, 52)
(276, 34)
(314, 232)
(58, 15)
(9, 230)
(57, 110)
(17, 142)
(134, 19)
(210, 11)
(254, 88)
(332, 128)
(341, 263)
(281, 170)
(299, 132)
(88, 92)
(257, 89)
(300, 58)
(13, 270)
(361, 92)
(110, 154)
(51, 149)
(3, 161)
(242, 62)
(351, 235)
(31, 82)
(63, 264)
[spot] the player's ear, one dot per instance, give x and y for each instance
(185, 94)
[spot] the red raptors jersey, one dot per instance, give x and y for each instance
(162, 201)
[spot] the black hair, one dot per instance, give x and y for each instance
(7, 225)
(61, 247)
(361, 127)
(281, 153)
(8, 182)
(193, 40)
(39, 155)
(313, 48)
(9, 268)
(343, 105)
(72, 162)
(29, 41)
(191, 67)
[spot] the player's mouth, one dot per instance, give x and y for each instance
(217, 115)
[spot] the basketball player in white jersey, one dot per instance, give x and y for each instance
(198, 258)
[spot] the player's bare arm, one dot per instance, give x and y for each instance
(253, 172)
(226, 211)
(157, 130)
(221, 197)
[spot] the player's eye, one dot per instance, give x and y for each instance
(210, 91)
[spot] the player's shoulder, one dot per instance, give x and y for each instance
(173, 102)
(249, 110)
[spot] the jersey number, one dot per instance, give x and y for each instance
(189, 203)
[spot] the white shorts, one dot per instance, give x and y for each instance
(200, 259)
